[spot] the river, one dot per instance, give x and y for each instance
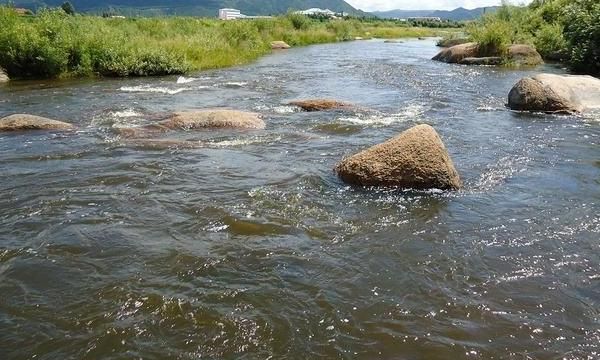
(250, 247)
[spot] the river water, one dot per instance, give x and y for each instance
(249, 247)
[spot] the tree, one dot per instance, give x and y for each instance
(68, 8)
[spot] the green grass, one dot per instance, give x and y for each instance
(53, 44)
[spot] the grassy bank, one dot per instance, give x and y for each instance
(565, 30)
(53, 44)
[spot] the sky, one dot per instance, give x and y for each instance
(372, 5)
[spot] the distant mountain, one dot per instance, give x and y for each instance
(193, 7)
(456, 14)
(464, 14)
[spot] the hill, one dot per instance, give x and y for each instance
(458, 14)
(192, 7)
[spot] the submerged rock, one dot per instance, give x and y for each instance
(555, 93)
(452, 42)
(393, 41)
(198, 119)
(524, 55)
(279, 45)
(457, 53)
(321, 104)
(488, 60)
(3, 77)
(20, 122)
(217, 118)
(414, 159)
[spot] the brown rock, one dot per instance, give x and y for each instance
(217, 118)
(488, 60)
(524, 55)
(20, 122)
(414, 159)
(555, 93)
(321, 104)
(393, 41)
(457, 53)
(452, 42)
(198, 119)
(279, 45)
(3, 77)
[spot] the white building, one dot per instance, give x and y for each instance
(425, 18)
(229, 14)
(318, 12)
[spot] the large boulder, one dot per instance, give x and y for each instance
(486, 60)
(555, 93)
(524, 55)
(414, 159)
(197, 119)
(216, 118)
(20, 122)
(457, 53)
(321, 104)
(471, 54)
(452, 42)
(3, 77)
(279, 45)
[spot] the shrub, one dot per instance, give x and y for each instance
(550, 42)
(494, 36)
(582, 32)
(299, 21)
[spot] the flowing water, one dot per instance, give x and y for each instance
(247, 246)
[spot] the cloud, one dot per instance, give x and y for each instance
(371, 5)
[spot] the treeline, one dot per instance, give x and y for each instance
(562, 30)
(53, 44)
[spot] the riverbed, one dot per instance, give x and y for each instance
(248, 246)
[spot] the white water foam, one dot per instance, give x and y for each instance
(125, 113)
(411, 112)
(235, 84)
(184, 80)
(243, 141)
(150, 89)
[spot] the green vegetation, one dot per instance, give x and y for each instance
(567, 30)
(53, 44)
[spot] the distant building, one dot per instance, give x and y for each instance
(425, 18)
(22, 11)
(230, 14)
(317, 12)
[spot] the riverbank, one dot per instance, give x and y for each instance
(55, 45)
(561, 30)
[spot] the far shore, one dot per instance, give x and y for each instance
(55, 45)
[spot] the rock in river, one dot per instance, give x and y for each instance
(198, 119)
(416, 159)
(486, 60)
(279, 45)
(555, 93)
(457, 53)
(321, 104)
(20, 122)
(3, 77)
(215, 118)
(524, 55)
(452, 42)
(471, 54)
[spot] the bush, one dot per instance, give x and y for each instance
(550, 42)
(494, 36)
(299, 21)
(582, 31)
